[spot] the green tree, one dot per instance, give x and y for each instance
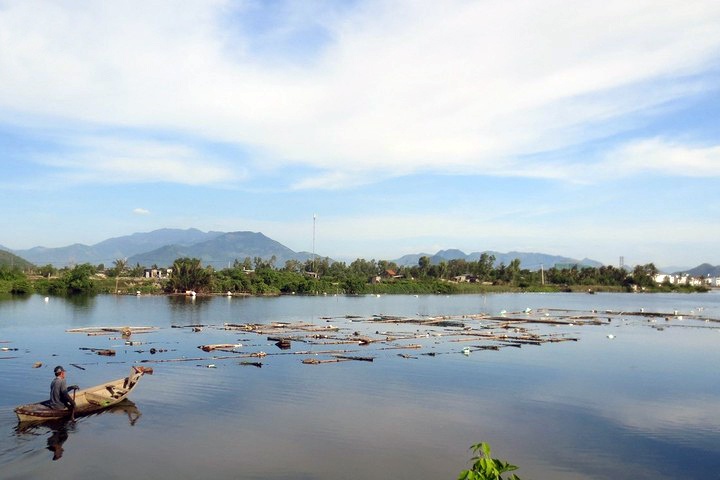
(47, 270)
(120, 265)
(485, 266)
(118, 270)
(354, 285)
(644, 275)
(137, 271)
(77, 280)
(21, 286)
(188, 274)
(423, 266)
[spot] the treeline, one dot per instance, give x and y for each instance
(321, 276)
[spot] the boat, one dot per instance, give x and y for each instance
(87, 400)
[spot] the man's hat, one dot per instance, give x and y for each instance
(59, 369)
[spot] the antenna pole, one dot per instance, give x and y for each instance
(313, 252)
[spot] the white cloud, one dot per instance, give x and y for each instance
(667, 158)
(406, 86)
(141, 211)
(118, 160)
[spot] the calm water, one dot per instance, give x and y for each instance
(644, 404)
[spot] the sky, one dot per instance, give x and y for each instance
(585, 129)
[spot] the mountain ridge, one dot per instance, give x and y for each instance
(528, 260)
(219, 249)
(222, 250)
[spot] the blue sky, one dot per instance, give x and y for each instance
(569, 128)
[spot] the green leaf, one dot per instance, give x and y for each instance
(485, 448)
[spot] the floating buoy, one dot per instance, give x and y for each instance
(611, 336)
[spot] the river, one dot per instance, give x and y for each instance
(634, 397)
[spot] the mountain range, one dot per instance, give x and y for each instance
(531, 261)
(220, 249)
(162, 247)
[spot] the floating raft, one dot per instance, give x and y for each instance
(125, 330)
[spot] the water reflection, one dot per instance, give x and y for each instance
(58, 437)
(60, 430)
(16, 298)
(81, 302)
(188, 310)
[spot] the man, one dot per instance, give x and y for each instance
(59, 396)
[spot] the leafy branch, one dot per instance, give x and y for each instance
(485, 467)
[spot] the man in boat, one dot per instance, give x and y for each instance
(59, 396)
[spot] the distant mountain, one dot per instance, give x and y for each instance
(129, 245)
(673, 269)
(218, 249)
(703, 270)
(8, 259)
(222, 251)
(108, 251)
(59, 257)
(411, 259)
(531, 261)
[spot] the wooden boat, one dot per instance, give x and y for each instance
(87, 400)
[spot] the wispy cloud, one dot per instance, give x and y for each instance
(388, 88)
(141, 211)
(667, 158)
(110, 160)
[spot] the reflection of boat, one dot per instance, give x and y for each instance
(33, 427)
(87, 400)
(60, 428)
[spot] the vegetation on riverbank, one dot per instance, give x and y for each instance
(487, 468)
(262, 277)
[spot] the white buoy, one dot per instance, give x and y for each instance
(611, 336)
(47, 299)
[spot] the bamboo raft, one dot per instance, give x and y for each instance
(428, 335)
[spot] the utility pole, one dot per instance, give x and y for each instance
(313, 252)
(542, 274)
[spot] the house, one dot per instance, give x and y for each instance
(685, 279)
(465, 278)
(157, 272)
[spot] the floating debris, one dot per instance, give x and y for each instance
(361, 359)
(107, 352)
(283, 343)
(252, 364)
(106, 330)
(405, 355)
(220, 346)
